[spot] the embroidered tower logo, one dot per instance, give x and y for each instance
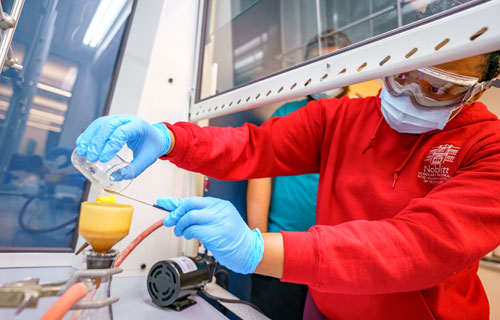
(436, 169)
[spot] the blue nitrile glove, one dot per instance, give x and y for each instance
(220, 227)
(105, 136)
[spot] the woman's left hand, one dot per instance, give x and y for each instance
(219, 226)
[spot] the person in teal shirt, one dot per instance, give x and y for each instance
(283, 203)
(293, 198)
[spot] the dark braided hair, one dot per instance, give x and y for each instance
(493, 68)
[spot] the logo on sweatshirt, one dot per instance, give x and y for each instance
(436, 164)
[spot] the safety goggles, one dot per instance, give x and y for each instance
(433, 88)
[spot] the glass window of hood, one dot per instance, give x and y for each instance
(68, 50)
(247, 40)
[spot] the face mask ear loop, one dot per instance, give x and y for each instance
(407, 159)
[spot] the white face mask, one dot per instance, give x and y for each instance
(404, 117)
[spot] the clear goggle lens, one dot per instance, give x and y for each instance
(433, 88)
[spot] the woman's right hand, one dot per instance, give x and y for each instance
(105, 136)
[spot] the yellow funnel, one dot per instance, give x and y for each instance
(103, 224)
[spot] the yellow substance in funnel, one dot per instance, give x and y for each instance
(103, 224)
(109, 199)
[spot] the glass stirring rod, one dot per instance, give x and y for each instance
(134, 199)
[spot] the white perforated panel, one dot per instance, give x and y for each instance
(472, 31)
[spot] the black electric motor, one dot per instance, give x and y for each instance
(174, 279)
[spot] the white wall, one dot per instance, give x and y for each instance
(160, 47)
(491, 278)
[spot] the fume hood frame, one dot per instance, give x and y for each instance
(469, 29)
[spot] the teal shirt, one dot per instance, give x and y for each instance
(293, 201)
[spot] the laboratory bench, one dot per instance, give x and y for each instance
(134, 302)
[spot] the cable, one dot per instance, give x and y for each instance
(220, 299)
(122, 256)
(66, 302)
(136, 242)
(27, 228)
(224, 281)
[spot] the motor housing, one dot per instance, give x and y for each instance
(170, 280)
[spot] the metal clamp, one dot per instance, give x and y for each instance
(8, 23)
(26, 293)
(95, 304)
(80, 275)
(11, 61)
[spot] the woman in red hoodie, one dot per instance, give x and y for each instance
(407, 201)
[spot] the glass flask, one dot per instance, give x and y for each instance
(102, 286)
(101, 173)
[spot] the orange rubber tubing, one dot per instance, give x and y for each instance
(65, 302)
(136, 242)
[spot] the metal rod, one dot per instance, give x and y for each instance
(319, 28)
(9, 33)
(370, 8)
(130, 198)
(398, 10)
(1, 11)
(154, 205)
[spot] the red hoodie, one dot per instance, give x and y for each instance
(402, 219)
